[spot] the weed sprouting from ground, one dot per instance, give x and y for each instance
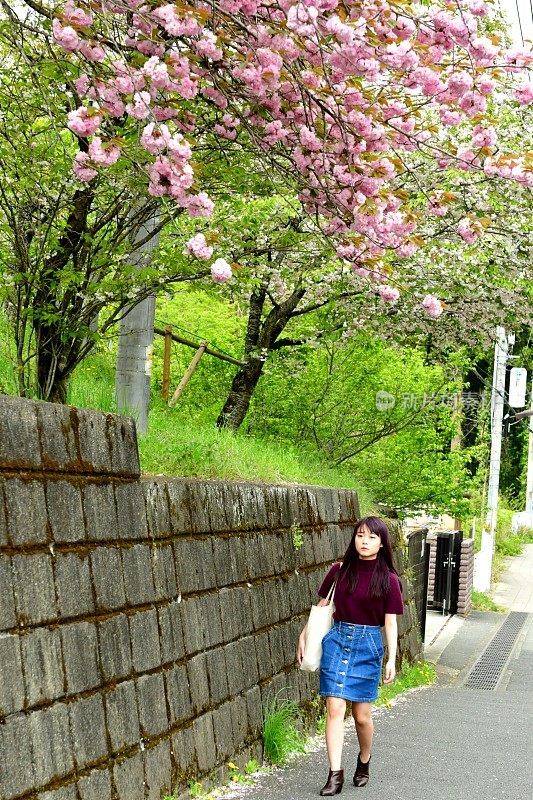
(281, 734)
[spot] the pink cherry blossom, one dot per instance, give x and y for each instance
(197, 246)
(524, 93)
(82, 167)
(65, 36)
(432, 305)
(103, 155)
(388, 293)
(83, 121)
(76, 16)
(155, 138)
(221, 271)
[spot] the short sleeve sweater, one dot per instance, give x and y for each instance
(358, 606)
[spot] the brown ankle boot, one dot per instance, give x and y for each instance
(334, 783)
(361, 772)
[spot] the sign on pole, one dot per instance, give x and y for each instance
(517, 387)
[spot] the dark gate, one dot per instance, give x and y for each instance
(447, 563)
(418, 557)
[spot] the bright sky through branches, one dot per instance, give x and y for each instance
(519, 14)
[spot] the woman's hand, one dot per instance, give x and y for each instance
(301, 646)
(390, 671)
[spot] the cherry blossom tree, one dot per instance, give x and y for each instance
(333, 95)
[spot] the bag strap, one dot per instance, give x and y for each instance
(330, 595)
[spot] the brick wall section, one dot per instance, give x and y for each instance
(466, 574)
(466, 577)
(144, 622)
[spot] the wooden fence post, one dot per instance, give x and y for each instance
(190, 369)
(166, 361)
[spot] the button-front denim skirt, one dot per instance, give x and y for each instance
(351, 662)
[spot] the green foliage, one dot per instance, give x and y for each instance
(281, 733)
(410, 676)
(297, 536)
(481, 601)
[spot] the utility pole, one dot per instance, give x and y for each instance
(136, 335)
(483, 559)
(529, 483)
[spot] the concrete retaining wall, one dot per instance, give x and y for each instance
(144, 622)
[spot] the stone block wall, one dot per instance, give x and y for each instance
(144, 621)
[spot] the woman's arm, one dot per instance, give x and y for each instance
(391, 637)
(301, 640)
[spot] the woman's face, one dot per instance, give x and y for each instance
(367, 543)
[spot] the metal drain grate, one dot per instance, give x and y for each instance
(487, 670)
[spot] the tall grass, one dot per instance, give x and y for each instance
(281, 735)
(178, 446)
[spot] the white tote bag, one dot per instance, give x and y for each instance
(319, 623)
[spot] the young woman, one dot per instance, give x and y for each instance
(367, 597)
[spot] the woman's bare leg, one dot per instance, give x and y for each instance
(364, 725)
(336, 709)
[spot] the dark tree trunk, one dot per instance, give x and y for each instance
(261, 339)
(238, 401)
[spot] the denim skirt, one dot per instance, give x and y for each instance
(351, 662)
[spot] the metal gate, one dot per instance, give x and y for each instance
(447, 563)
(418, 557)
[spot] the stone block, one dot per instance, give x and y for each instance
(122, 716)
(194, 562)
(209, 607)
(68, 792)
(108, 580)
(264, 659)
(131, 511)
(198, 683)
(158, 771)
(11, 685)
(34, 589)
(230, 613)
(144, 634)
(259, 611)
(80, 656)
(138, 578)
(16, 764)
(197, 500)
(193, 625)
(239, 722)
(230, 562)
(114, 648)
(250, 671)
(3, 522)
(51, 743)
(272, 612)
(123, 445)
(19, 436)
(178, 695)
(232, 655)
(276, 649)
(93, 441)
(171, 633)
(26, 511)
(87, 723)
(254, 711)
(179, 506)
(43, 665)
(152, 706)
(100, 512)
(128, 776)
(58, 434)
(8, 617)
(223, 732)
(204, 742)
(217, 675)
(65, 511)
(183, 751)
(73, 584)
(157, 507)
(166, 587)
(216, 508)
(95, 786)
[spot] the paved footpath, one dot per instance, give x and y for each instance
(515, 588)
(444, 742)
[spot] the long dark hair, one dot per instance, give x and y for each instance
(380, 581)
